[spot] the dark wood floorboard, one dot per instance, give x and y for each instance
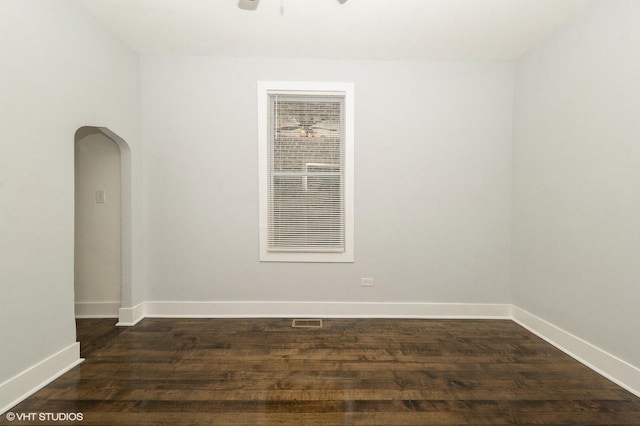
(351, 372)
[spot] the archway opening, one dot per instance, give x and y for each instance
(102, 258)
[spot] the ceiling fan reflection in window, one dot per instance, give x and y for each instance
(253, 4)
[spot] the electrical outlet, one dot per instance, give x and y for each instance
(101, 196)
(366, 282)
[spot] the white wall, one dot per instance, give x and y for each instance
(433, 152)
(98, 227)
(60, 71)
(576, 180)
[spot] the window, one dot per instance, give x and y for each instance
(306, 171)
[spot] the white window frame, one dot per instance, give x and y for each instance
(318, 88)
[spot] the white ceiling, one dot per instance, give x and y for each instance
(485, 30)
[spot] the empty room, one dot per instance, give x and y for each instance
(320, 212)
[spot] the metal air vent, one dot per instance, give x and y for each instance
(307, 323)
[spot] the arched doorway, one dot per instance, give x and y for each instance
(102, 223)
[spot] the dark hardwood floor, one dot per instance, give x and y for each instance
(351, 372)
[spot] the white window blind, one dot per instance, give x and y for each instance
(306, 172)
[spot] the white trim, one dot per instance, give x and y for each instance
(165, 309)
(613, 368)
(131, 316)
(34, 378)
(348, 90)
(97, 309)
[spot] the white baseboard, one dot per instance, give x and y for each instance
(131, 316)
(18, 388)
(97, 309)
(618, 371)
(324, 309)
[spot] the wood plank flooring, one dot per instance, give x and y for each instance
(350, 372)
